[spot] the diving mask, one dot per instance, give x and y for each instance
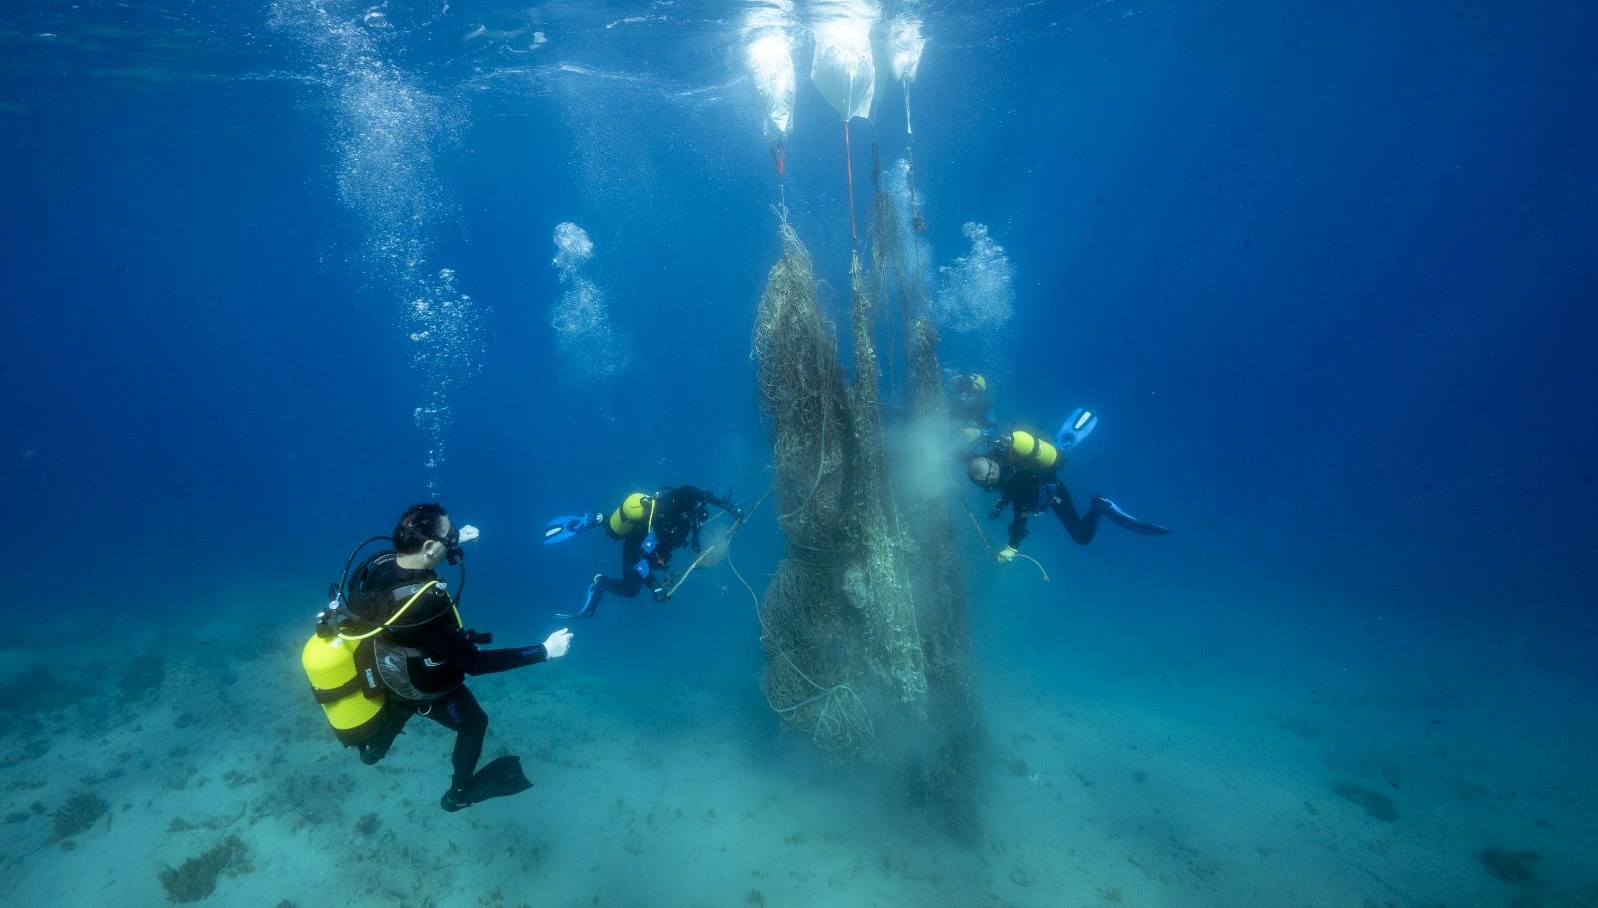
(453, 539)
(985, 472)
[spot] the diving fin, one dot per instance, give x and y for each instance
(497, 779)
(1077, 427)
(563, 528)
(1118, 516)
(590, 600)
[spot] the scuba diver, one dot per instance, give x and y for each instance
(1024, 470)
(650, 528)
(970, 408)
(391, 645)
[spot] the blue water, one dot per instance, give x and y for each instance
(1324, 270)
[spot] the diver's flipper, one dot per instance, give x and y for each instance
(1116, 515)
(1078, 426)
(563, 528)
(499, 778)
(590, 600)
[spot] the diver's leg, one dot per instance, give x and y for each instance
(459, 712)
(628, 585)
(1081, 528)
(392, 721)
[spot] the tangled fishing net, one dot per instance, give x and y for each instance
(863, 624)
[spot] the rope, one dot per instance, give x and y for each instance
(725, 540)
(831, 694)
(849, 166)
(782, 187)
(821, 471)
(984, 537)
(916, 224)
(1036, 562)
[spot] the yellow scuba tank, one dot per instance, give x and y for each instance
(342, 688)
(1032, 453)
(634, 509)
(346, 685)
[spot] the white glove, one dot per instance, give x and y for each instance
(558, 643)
(1005, 554)
(468, 533)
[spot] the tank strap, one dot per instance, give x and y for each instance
(332, 695)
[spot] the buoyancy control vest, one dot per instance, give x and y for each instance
(351, 666)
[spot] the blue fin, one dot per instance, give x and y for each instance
(590, 600)
(1117, 515)
(563, 528)
(1078, 426)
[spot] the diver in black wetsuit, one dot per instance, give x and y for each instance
(970, 408)
(422, 654)
(1024, 470)
(650, 528)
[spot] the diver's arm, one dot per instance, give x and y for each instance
(449, 644)
(1001, 504)
(1014, 490)
(702, 498)
(724, 504)
(1006, 499)
(693, 497)
(489, 661)
(1018, 530)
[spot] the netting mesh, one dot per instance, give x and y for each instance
(802, 396)
(806, 680)
(863, 624)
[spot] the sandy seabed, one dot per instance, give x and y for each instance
(1180, 776)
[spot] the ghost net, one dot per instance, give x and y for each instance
(863, 623)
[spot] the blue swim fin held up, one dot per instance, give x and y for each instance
(590, 601)
(1077, 427)
(563, 528)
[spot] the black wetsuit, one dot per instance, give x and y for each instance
(679, 513)
(431, 657)
(1033, 491)
(970, 408)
